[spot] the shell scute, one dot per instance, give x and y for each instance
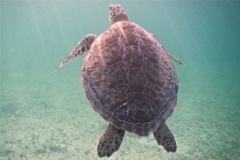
(116, 97)
(133, 57)
(136, 79)
(108, 78)
(129, 36)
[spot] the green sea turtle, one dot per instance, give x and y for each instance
(129, 81)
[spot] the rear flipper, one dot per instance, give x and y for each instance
(165, 138)
(110, 141)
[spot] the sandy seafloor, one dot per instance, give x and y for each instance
(45, 116)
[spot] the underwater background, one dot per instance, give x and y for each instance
(47, 116)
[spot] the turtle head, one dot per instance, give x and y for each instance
(117, 13)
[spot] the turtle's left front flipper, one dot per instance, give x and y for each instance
(82, 46)
(164, 137)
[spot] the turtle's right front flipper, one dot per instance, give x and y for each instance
(82, 46)
(170, 55)
(174, 58)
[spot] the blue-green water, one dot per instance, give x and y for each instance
(47, 116)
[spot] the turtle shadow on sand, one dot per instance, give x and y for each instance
(129, 80)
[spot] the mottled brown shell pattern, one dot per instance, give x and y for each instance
(129, 79)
